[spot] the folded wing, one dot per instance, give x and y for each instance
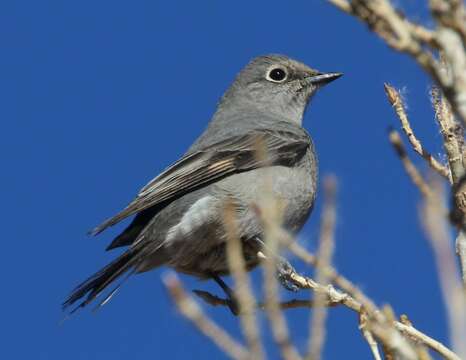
(255, 149)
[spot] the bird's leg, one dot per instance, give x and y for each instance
(231, 298)
(284, 268)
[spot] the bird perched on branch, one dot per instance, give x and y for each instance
(179, 220)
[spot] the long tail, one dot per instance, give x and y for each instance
(93, 286)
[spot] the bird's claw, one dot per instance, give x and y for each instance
(284, 272)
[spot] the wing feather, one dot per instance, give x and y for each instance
(233, 155)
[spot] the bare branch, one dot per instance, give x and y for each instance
(451, 38)
(385, 331)
(419, 336)
(437, 229)
(335, 278)
(189, 308)
(453, 140)
(411, 170)
(451, 14)
(270, 212)
(327, 245)
(368, 336)
(243, 291)
(214, 300)
(421, 349)
(396, 101)
(461, 252)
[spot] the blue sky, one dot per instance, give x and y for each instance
(97, 97)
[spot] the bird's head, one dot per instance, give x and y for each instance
(276, 84)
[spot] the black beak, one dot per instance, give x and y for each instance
(323, 79)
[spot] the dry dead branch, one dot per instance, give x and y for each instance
(326, 248)
(189, 308)
(243, 293)
(437, 229)
(412, 171)
(396, 101)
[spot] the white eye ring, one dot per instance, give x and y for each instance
(276, 74)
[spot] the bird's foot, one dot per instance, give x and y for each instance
(284, 269)
(284, 274)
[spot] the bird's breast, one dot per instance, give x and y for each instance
(293, 186)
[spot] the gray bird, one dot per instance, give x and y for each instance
(179, 214)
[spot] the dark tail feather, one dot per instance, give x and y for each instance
(100, 280)
(131, 233)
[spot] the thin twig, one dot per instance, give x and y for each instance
(327, 245)
(389, 337)
(396, 101)
(425, 190)
(453, 82)
(246, 300)
(270, 212)
(273, 307)
(214, 300)
(368, 336)
(421, 349)
(419, 336)
(437, 229)
(451, 14)
(410, 168)
(334, 278)
(461, 252)
(191, 310)
(385, 331)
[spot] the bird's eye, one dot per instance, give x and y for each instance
(277, 75)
